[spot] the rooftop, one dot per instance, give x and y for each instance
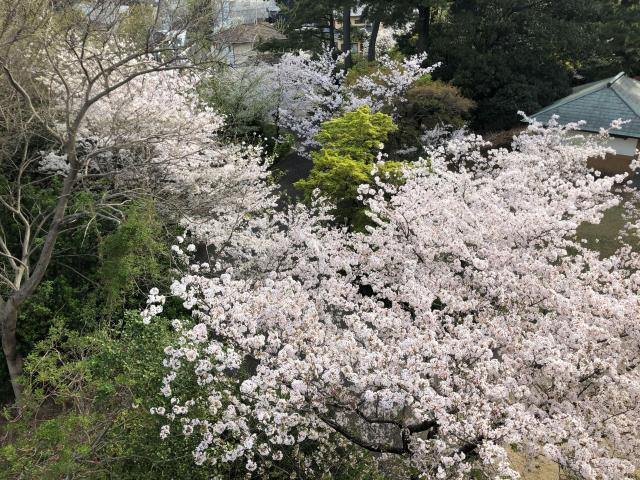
(251, 33)
(598, 104)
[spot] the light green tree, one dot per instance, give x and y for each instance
(349, 150)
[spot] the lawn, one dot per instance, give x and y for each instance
(605, 236)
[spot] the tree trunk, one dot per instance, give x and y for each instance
(10, 308)
(423, 27)
(346, 37)
(375, 29)
(332, 33)
(8, 322)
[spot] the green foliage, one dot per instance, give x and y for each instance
(99, 271)
(435, 103)
(617, 49)
(86, 410)
(356, 134)
(349, 146)
(429, 104)
(131, 256)
(337, 178)
(306, 25)
(65, 292)
(510, 55)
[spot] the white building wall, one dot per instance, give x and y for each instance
(622, 146)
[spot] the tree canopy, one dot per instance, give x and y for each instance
(435, 307)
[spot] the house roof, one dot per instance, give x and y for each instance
(598, 104)
(251, 33)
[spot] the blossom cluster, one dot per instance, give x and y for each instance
(466, 320)
(383, 89)
(154, 134)
(308, 90)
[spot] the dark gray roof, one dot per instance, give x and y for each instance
(599, 103)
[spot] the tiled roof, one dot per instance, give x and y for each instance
(599, 103)
(252, 33)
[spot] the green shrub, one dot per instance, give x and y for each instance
(133, 257)
(86, 408)
(429, 104)
(436, 103)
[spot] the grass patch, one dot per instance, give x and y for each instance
(609, 235)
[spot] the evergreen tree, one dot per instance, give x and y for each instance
(510, 55)
(349, 145)
(309, 23)
(618, 46)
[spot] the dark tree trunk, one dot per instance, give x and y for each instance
(423, 27)
(346, 37)
(332, 32)
(371, 54)
(8, 322)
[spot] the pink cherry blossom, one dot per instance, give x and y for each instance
(466, 320)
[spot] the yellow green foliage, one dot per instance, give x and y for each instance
(349, 149)
(356, 134)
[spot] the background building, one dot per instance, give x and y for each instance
(241, 26)
(598, 104)
(246, 12)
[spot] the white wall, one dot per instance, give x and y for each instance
(622, 146)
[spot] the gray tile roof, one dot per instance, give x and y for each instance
(599, 103)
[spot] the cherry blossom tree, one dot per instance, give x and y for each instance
(76, 81)
(467, 321)
(206, 183)
(306, 91)
(382, 89)
(386, 41)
